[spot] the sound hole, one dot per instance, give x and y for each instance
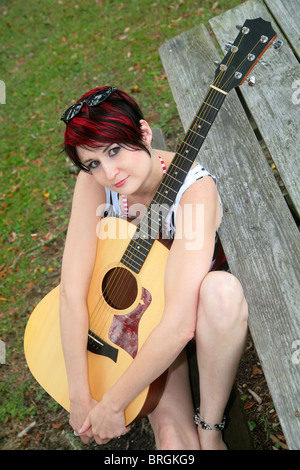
(119, 288)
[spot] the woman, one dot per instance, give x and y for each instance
(108, 139)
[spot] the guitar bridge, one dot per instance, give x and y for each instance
(97, 345)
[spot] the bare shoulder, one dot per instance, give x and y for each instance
(87, 190)
(87, 198)
(204, 188)
(204, 192)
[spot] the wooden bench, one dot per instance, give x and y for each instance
(259, 231)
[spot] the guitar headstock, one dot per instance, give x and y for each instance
(250, 44)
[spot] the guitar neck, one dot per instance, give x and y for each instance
(152, 221)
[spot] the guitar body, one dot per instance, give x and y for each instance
(123, 307)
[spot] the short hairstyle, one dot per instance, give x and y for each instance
(116, 120)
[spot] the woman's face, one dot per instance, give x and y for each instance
(117, 168)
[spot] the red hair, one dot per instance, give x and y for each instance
(116, 120)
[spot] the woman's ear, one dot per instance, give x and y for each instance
(146, 132)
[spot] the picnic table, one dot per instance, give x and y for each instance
(253, 148)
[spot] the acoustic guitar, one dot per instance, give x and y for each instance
(126, 298)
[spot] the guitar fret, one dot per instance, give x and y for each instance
(145, 235)
(197, 133)
(175, 179)
(178, 167)
(139, 255)
(201, 119)
(138, 250)
(129, 263)
(133, 260)
(186, 143)
(184, 156)
(165, 195)
(163, 184)
(211, 106)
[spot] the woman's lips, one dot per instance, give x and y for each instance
(120, 183)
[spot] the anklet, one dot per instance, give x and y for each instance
(209, 427)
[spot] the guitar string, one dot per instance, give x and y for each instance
(185, 142)
(171, 175)
(191, 126)
(205, 112)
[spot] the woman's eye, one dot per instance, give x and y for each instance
(94, 165)
(114, 151)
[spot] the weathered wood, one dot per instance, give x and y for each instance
(236, 434)
(158, 140)
(258, 233)
(271, 101)
(287, 15)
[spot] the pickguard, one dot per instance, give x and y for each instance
(124, 328)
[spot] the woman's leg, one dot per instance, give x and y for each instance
(220, 339)
(172, 419)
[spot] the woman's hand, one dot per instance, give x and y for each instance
(104, 422)
(79, 410)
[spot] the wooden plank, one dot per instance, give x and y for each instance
(260, 238)
(235, 416)
(158, 140)
(287, 15)
(271, 102)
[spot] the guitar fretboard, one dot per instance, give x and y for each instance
(153, 220)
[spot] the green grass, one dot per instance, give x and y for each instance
(51, 52)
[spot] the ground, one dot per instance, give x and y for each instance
(49, 428)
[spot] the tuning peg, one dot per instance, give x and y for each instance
(264, 63)
(251, 81)
(228, 45)
(277, 44)
(242, 28)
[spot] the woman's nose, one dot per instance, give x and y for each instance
(111, 171)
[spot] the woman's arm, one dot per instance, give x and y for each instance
(185, 271)
(77, 266)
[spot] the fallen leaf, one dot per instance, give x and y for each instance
(12, 236)
(256, 370)
(135, 89)
(57, 425)
(249, 405)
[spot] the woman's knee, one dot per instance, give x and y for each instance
(222, 299)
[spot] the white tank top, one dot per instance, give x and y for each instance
(113, 208)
